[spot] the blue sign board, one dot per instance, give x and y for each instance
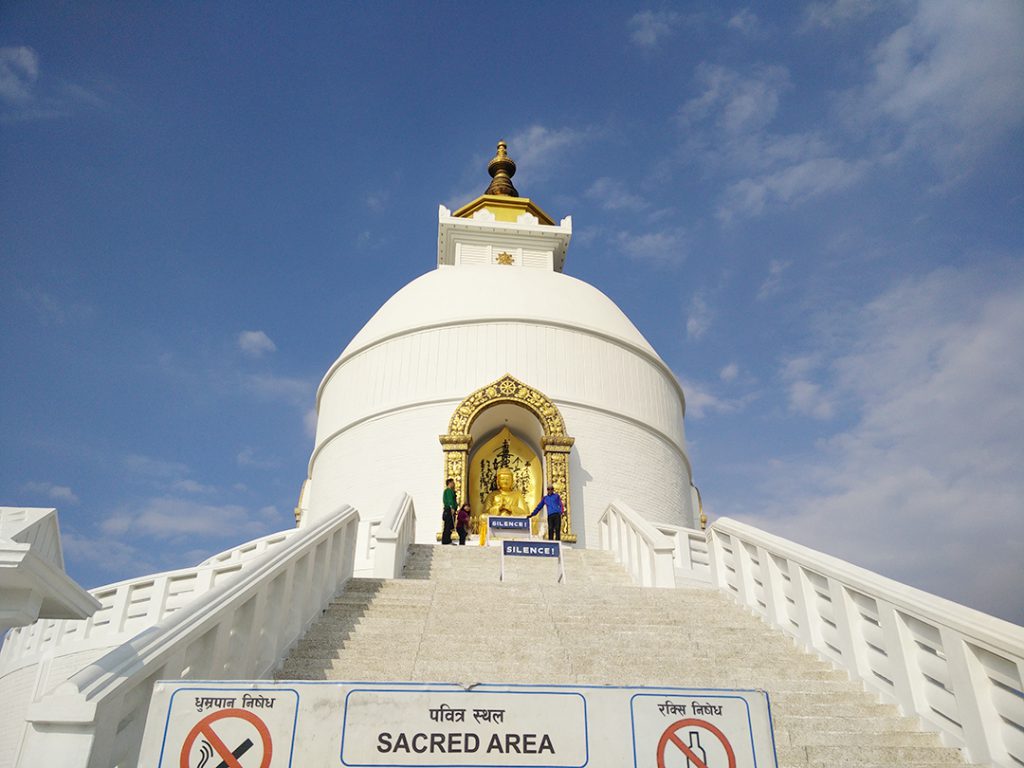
(531, 548)
(496, 523)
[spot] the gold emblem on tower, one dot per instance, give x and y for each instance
(503, 258)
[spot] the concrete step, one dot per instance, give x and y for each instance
(450, 620)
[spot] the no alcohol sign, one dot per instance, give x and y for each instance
(682, 740)
(702, 729)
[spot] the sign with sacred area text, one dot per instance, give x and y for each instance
(368, 725)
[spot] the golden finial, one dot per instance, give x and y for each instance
(700, 504)
(502, 168)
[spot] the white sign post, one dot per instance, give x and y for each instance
(531, 549)
(428, 725)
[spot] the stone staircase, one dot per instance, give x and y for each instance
(451, 620)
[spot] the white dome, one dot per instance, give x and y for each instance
(457, 295)
(386, 400)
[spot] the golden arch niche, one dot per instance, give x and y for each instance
(532, 423)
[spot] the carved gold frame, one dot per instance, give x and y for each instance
(554, 442)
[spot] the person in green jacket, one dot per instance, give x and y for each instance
(448, 516)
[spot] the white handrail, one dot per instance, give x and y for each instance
(393, 539)
(958, 669)
(643, 550)
(130, 606)
(690, 555)
(243, 628)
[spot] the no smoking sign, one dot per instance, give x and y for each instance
(230, 728)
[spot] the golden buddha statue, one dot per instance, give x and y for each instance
(506, 500)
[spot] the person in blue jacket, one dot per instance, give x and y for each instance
(554, 504)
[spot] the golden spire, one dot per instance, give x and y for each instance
(502, 168)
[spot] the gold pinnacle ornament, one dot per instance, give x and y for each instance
(502, 168)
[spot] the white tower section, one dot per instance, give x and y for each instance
(498, 304)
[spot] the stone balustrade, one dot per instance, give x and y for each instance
(128, 607)
(958, 669)
(690, 555)
(394, 536)
(642, 549)
(242, 628)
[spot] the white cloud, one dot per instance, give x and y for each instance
(746, 22)
(298, 392)
(191, 486)
(789, 185)
(932, 381)
(726, 126)
(309, 422)
(105, 553)
(248, 457)
(835, 13)
(773, 283)
(663, 248)
(729, 372)
(612, 195)
(152, 467)
(255, 343)
(948, 82)
(19, 70)
(53, 311)
(165, 518)
(539, 148)
(24, 95)
(51, 492)
(377, 201)
(698, 318)
(649, 28)
(701, 402)
(806, 396)
(736, 103)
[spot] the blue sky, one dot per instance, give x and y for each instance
(812, 210)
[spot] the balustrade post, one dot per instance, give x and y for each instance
(774, 593)
(971, 687)
(900, 649)
(266, 641)
(716, 560)
(684, 551)
(744, 578)
(807, 614)
(158, 600)
(220, 648)
(851, 642)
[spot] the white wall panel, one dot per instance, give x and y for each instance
(451, 362)
(368, 464)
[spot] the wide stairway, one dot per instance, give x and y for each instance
(451, 620)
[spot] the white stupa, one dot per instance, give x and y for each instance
(493, 363)
(497, 336)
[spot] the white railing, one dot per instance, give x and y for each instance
(958, 669)
(242, 628)
(33, 581)
(690, 556)
(643, 550)
(393, 539)
(128, 607)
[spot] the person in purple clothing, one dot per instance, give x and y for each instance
(462, 523)
(553, 502)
